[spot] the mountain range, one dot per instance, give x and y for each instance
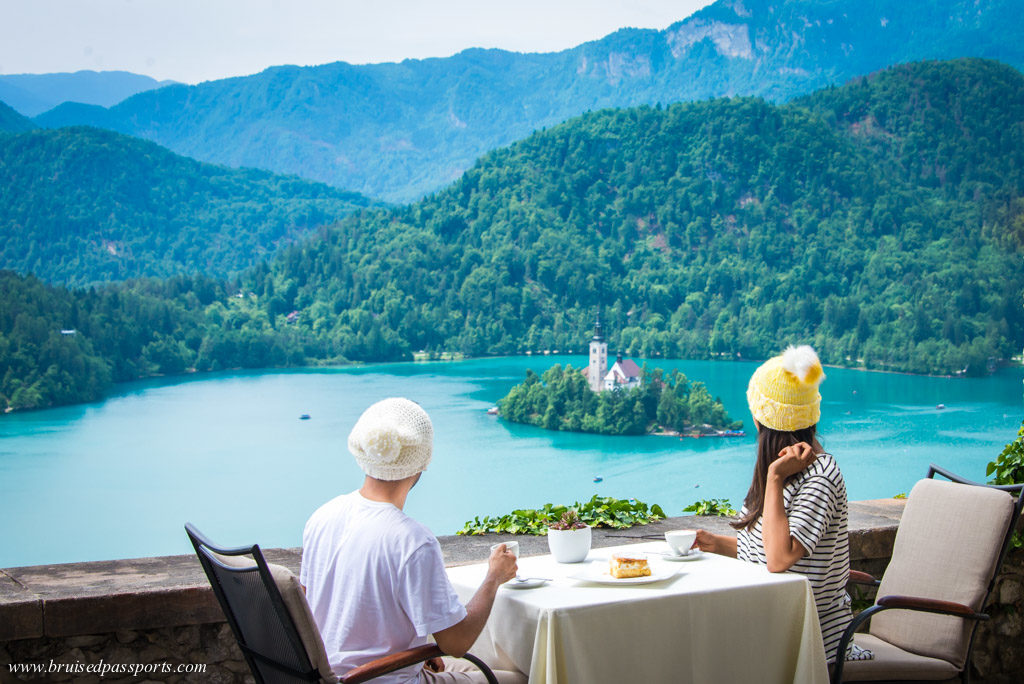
(81, 205)
(882, 222)
(399, 131)
(32, 94)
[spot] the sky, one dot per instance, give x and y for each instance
(198, 40)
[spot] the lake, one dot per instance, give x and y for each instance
(228, 452)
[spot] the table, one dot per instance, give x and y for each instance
(719, 620)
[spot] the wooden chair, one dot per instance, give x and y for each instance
(950, 544)
(266, 608)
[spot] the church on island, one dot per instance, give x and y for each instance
(624, 373)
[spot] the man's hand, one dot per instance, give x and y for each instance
(456, 640)
(792, 460)
(434, 665)
(502, 565)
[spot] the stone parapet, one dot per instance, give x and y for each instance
(162, 611)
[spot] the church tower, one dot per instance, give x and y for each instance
(598, 357)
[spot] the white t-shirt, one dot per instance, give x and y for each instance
(375, 582)
(815, 503)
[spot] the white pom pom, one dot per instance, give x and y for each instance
(382, 444)
(801, 361)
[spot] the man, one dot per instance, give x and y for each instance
(375, 578)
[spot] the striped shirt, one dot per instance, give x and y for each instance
(815, 503)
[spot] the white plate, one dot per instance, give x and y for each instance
(598, 572)
(526, 584)
(693, 555)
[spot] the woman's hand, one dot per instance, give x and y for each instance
(792, 460)
(781, 549)
(715, 543)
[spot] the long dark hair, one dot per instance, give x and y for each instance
(769, 443)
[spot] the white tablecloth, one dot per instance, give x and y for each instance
(719, 620)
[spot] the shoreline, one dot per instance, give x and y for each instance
(702, 435)
(656, 433)
(193, 375)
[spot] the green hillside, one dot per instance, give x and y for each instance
(882, 221)
(13, 122)
(82, 205)
(60, 346)
(398, 131)
(722, 228)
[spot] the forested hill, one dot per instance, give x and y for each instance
(968, 138)
(881, 222)
(397, 131)
(13, 122)
(81, 205)
(60, 346)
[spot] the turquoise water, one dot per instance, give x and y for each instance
(118, 478)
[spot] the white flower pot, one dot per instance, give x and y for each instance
(569, 546)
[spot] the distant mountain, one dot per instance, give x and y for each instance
(399, 131)
(13, 122)
(81, 205)
(78, 114)
(33, 94)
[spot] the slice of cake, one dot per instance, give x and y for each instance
(622, 566)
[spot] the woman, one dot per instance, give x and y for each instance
(795, 513)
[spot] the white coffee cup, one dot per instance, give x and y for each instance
(680, 541)
(511, 546)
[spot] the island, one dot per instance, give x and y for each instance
(624, 400)
(661, 403)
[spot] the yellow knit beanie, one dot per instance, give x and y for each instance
(783, 391)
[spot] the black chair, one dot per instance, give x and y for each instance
(950, 544)
(266, 608)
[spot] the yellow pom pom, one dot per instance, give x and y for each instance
(814, 374)
(803, 362)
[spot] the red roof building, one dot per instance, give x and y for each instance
(625, 373)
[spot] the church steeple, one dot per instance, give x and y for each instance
(598, 357)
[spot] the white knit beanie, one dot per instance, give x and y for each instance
(392, 440)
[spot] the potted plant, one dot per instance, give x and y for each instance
(569, 538)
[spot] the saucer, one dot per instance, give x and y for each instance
(693, 555)
(525, 584)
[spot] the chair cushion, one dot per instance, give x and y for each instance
(946, 548)
(891, 663)
(295, 600)
(240, 562)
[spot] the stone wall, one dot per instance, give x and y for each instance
(191, 653)
(159, 614)
(999, 644)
